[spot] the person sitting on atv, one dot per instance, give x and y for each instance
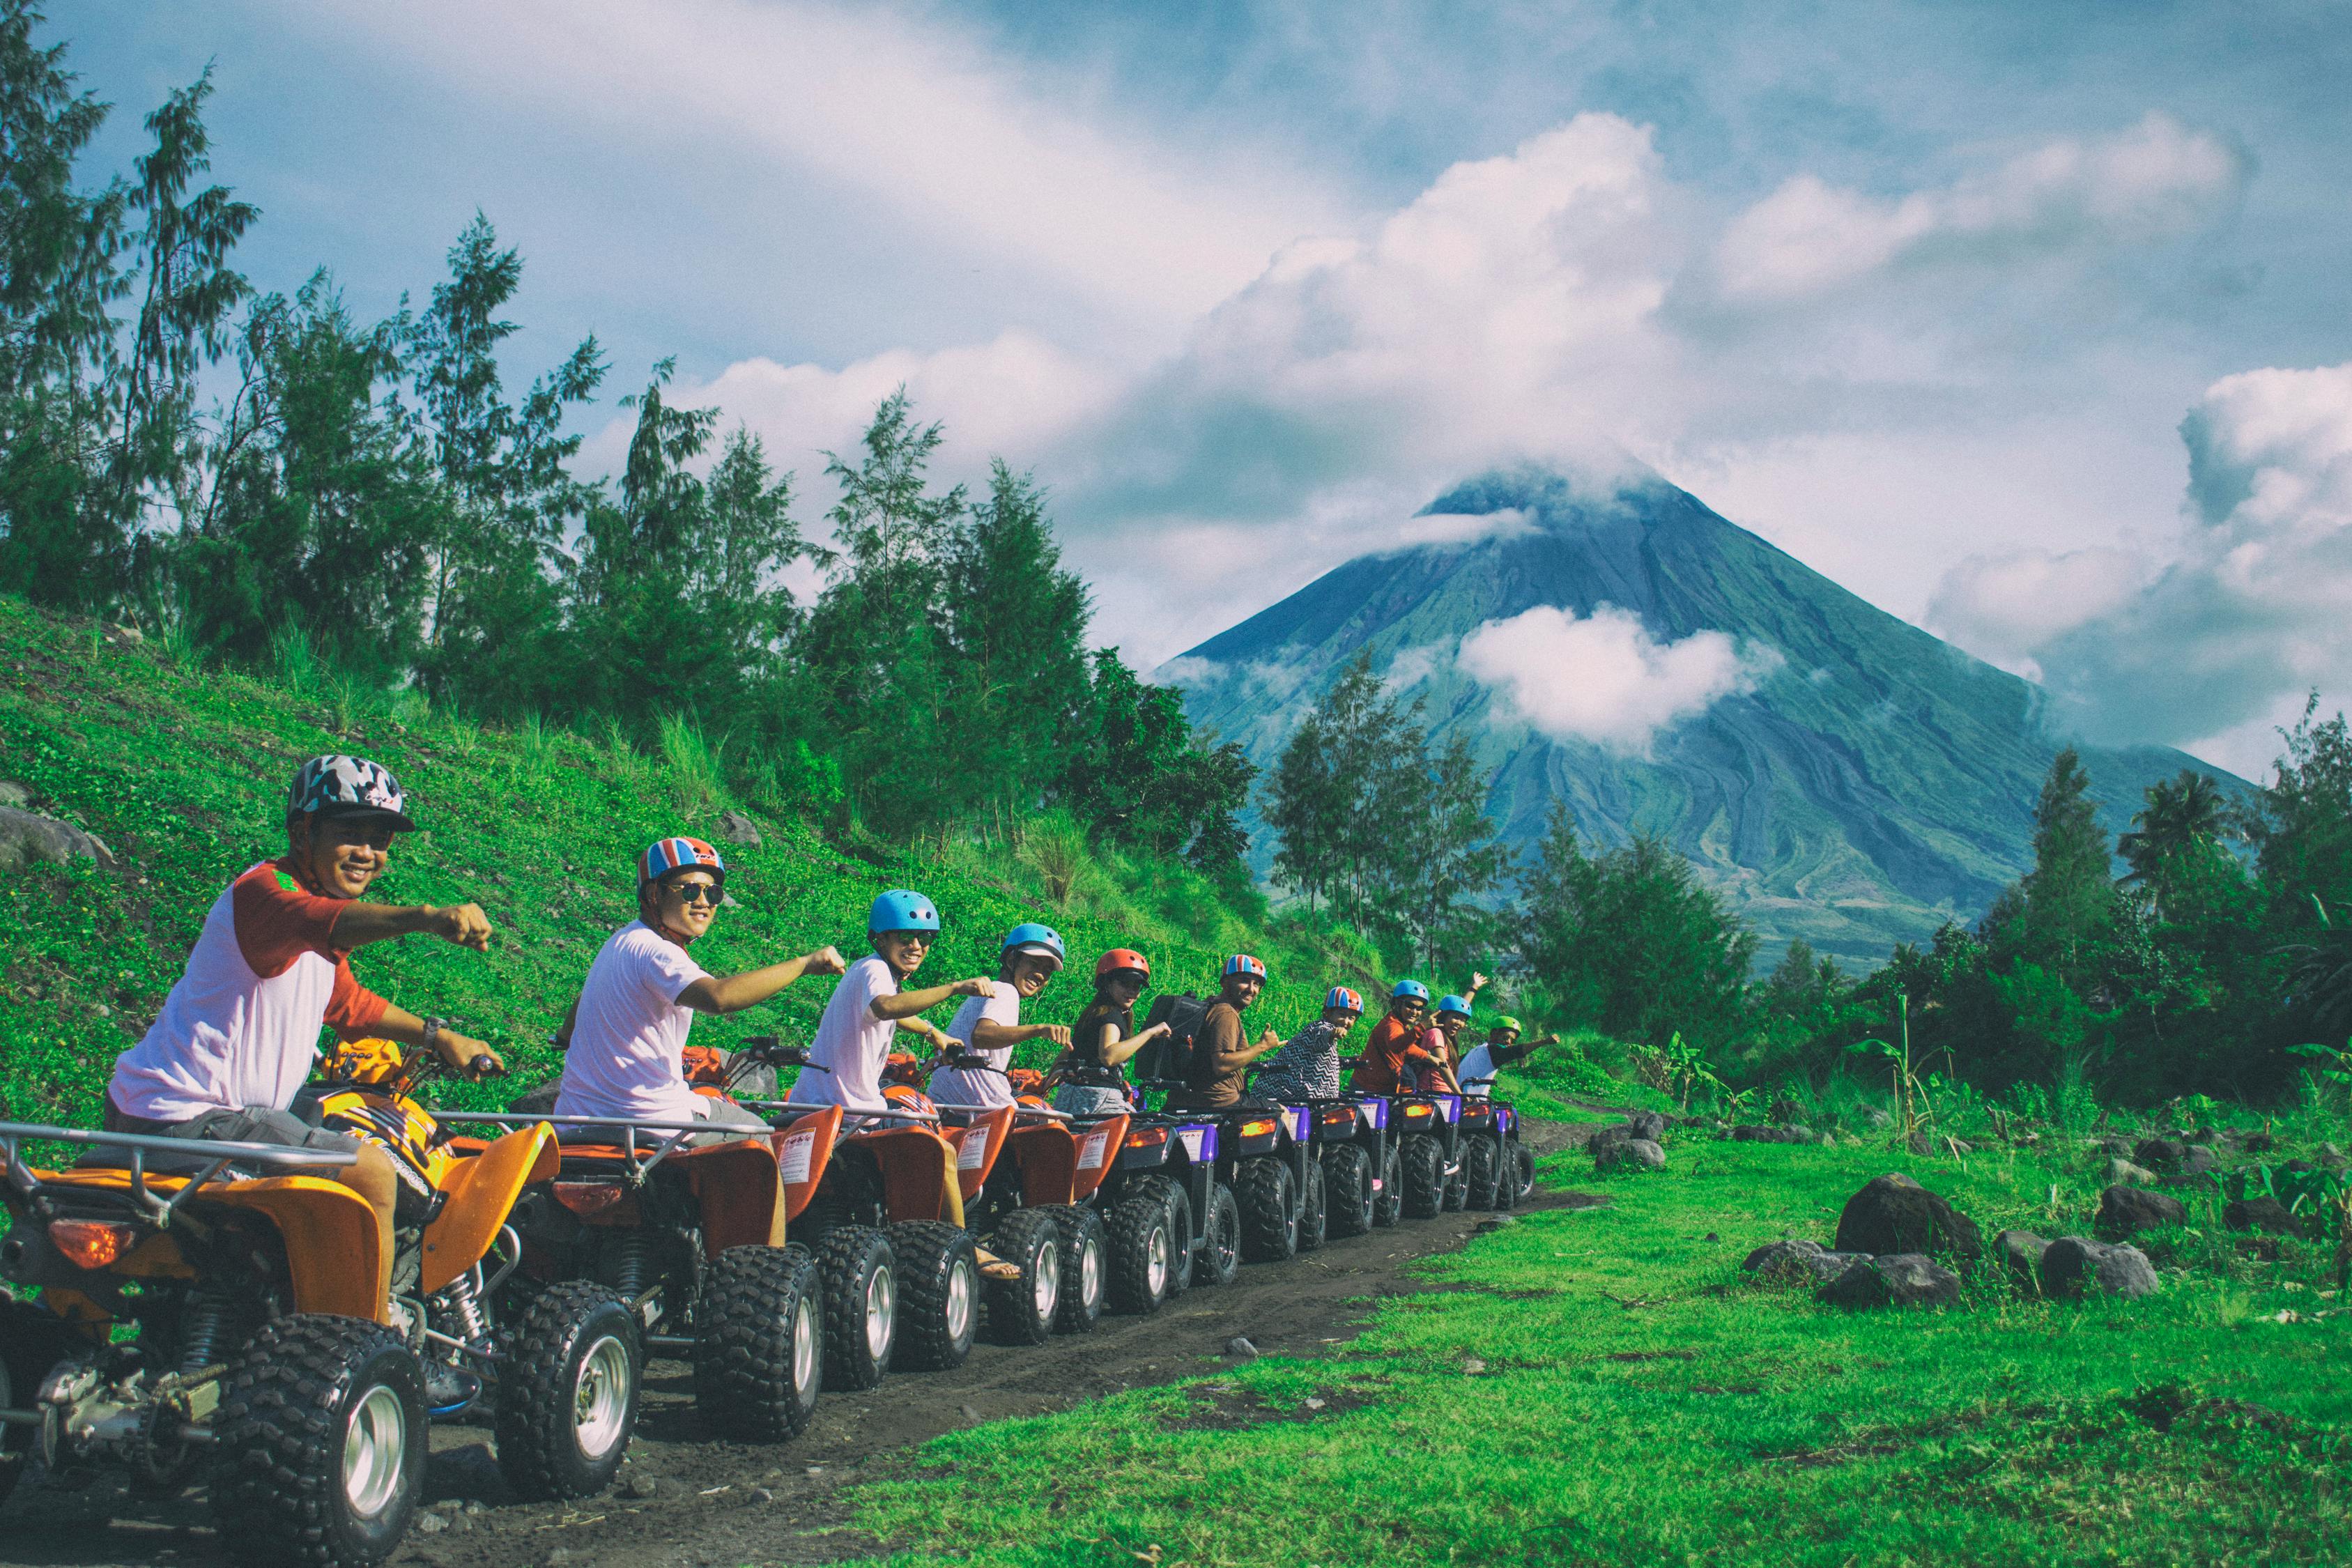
(1307, 1065)
(1501, 1049)
(1220, 1054)
(271, 968)
(624, 1041)
(1093, 1079)
(1395, 1056)
(1442, 1076)
(1029, 957)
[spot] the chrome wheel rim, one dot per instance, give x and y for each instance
(375, 1452)
(804, 1365)
(1155, 1253)
(1045, 1283)
(881, 1313)
(959, 1294)
(600, 1399)
(1090, 1273)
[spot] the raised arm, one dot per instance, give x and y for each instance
(733, 993)
(907, 1003)
(358, 923)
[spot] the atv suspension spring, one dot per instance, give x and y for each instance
(630, 1261)
(208, 1315)
(463, 1302)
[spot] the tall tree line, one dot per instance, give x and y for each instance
(381, 489)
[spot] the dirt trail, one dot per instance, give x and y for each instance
(688, 1500)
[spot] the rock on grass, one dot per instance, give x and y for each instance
(2077, 1266)
(1898, 1280)
(1894, 1215)
(2125, 1212)
(2020, 1252)
(1797, 1262)
(2266, 1215)
(1629, 1154)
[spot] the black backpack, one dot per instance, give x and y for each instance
(1169, 1059)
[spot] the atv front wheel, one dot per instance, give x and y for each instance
(1518, 1172)
(1314, 1217)
(32, 1341)
(1268, 1199)
(859, 1276)
(1144, 1254)
(1457, 1187)
(320, 1456)
(1388, 1201)
(1085, 1267)
(568, 1393)
(759, 1352)
(1425, 1176)
(938, 1292)
(1221, 1238)
(1347, 1189)
(1482, 1167)
(1179, 1203)
(1020, 1311)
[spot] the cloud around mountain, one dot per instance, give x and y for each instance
(1603, 678)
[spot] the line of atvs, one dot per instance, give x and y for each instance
(211, 1310)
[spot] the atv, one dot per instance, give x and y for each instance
(690, 1241)
(1498, 1169)
(1052, 1164)
(1352, 1175)
(1170, 1210)
(217, 1302)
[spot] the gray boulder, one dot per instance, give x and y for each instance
(27, 836)
(1605, 1137)
(1898, 1280)
(2125, 1212)
(1770, 1135)
(2264, 1215)
(2075, 1266)
(736, 828)
(1631, 1154)
(1894, 1215)
(1648, 1124)
(2159, 1153)
(14, 793)
(2019, 1252)
(1876, 1119)
(1799, 1262)
(2125, 1171)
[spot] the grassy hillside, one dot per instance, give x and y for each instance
(182, 772)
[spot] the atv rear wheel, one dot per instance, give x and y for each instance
(1518, 1172)
(1425, 1176)
(320, 1456)
(1179, 1203)
(32, 1340)
(1020, 1311)
(759, 1353)
(938, 1294)
(1347, 1189)
(568, 1393)
(1388, 1201)
(1458, 1185)
(1482, 1167)
(1144, 1254)
(1268, 1200)
(859, 1275)
(1313, 1218)
(1221, 1239)
(1085, 1267)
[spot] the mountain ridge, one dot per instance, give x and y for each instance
(1861, 783)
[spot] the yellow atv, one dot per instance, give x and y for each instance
(172, 1303)
(562, 1364)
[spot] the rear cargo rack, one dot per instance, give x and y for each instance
(277, 1158)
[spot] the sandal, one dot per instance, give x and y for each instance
(994, 1268)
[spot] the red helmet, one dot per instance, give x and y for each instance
(1122, 958)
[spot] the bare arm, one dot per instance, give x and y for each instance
(466, 1054)
(907, 1003)
(570, 1021)
(359, 923)
(988, 1035)
(733, 993)
(1116, 1050)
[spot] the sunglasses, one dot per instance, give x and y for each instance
(697, 893)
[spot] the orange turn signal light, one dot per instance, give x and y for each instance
(1146, 1136)
(93, 1243)
(1417, 1109)
(1255, 1129)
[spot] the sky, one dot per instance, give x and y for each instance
(2028, 323)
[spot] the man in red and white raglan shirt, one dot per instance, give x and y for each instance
(270, 970)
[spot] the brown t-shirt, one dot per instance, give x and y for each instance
(1383, 1069)
(1215, 1079)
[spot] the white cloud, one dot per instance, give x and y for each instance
(1411, 667)
(2001, 607)
(2156, 181)
(1604, 678)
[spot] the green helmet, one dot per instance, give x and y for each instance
(1508, 1022)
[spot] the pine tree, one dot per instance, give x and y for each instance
(1459, 865)
(2069, 891)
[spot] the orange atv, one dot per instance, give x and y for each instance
(901, 1178)
(562, 1371)
(1052, 1163)
(689, 1234)
(194, 1301)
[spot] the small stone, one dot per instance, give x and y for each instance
(1240, 1349)
(1648, 1124)
(1898, 1280)
(1775, 1256)
(1313, 1404)
(1876, 1119)
(1632, 1154)
(1473, 1366)
(2265, 1214)
(2019, 1252)
(476, 1506)
(1494, 1223)
(814, 1471)
(972, 1413)
(2125, 1212)
(736, 828)
(762, 1494)
(2075, 1265)
(27, 836)
(2124, 1171)
(14, 793)
(431, 1525)
(1710, 1235)
(2159, 1153)
(642, 1487)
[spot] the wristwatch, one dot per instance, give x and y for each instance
(433, 1028)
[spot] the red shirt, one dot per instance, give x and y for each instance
(1382, 1069)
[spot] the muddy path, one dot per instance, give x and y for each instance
(686, 1500)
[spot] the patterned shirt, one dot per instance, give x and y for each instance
(1308, 1063)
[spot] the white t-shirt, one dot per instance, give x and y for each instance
(1479, 1063)
(851, 1042)
(955, 1086)
(628, 1041)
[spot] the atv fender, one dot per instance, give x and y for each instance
(740, 1191)
(479, 1193)
(977, 1145)
(331, 1240)
(803, 1150)
(914, 1163)
(1097, 1149)
(1048, 1157)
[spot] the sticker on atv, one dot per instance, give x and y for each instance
(1094, 1150)
(972, 1154)
(1190, 1137)
(798, 1153)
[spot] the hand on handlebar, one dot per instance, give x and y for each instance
(472, 1058)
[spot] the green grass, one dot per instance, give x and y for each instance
(1602, 1387)
(182, 772)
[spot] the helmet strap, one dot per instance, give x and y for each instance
(649, 911)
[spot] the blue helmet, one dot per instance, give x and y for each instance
(1454, 1004)
(1038, 942)
(1412, 988)
(1243, 963)
(900, 909)
(1340, 997)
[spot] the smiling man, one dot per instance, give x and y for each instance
(271, 968)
